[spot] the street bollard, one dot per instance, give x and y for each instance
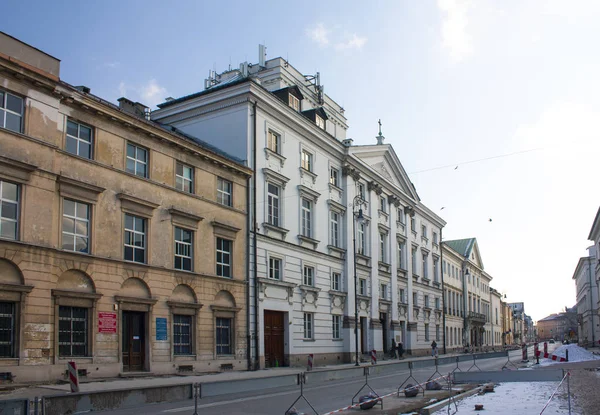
(197, 392)
(567, 354)
(546, 350)
(73, 376)
(373, 357)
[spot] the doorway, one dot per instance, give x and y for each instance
(384, 331)
(274, 338)
(134, 341)
(363, 335)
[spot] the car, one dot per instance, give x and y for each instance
(551, 341)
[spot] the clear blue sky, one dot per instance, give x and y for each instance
(452, 81)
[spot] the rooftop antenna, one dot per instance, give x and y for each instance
(315, 80)
(262, 55)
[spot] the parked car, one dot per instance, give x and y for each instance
(551, 341)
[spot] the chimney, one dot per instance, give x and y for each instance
(133, 108)
(347, 142)
(83, 88)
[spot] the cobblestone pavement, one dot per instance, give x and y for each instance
(584, 390)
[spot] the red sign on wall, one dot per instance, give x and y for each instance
(107, 322)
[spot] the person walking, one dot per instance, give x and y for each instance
(393, 351)
(433, 348)
(400, 350)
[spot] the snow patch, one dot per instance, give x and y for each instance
(576, 354)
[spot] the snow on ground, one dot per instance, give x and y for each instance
(576, 354)
(517, 398)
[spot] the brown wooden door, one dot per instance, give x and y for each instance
(134, 341)
(274, 339)
(363, 335)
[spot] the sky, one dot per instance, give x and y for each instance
(507, 91)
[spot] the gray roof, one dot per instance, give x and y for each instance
(462, 246)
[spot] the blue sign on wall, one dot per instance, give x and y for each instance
(161, 328)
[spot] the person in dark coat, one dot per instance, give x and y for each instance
(393, 351)
(433, 348)
(400, 350)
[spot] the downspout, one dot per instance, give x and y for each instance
(255, 248)
(591, 299)
(443, 291)
(248, 334)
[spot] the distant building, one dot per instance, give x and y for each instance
(587, 299)
(559, 326)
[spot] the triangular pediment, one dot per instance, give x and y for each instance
(475, 255)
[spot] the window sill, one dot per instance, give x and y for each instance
(308, 240)
(310, 174)
(308, 340)
(270, 153)
(337, 340)
(184, 357)
(79, 359)
(225, 356)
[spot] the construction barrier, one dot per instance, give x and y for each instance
(536, 350)
(309, 367)
(524, 349)
(545, 348)
(73, 376)
(373, 357)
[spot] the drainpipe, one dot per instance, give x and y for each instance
(255, 248)
(248, 335)
(591, 299)
(443, 291)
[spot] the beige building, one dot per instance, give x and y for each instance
(122, 244)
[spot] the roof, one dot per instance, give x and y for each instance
(595, 226)
(230, 82)
(462, 246)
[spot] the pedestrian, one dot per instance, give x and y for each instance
(393, 351)
(433, 348)
(400, 350)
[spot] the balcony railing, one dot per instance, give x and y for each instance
(477, 317)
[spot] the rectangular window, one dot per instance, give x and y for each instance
(437, 303)
(307, 160)
(182, 335)
(224, 257)
(306, 218)
(274, 142)
(308, 275)
(7, 329)
(426, 301)
(437, 332)
(75, 226)
(414, 260)
(382, 247)
(336, 323)
(360, 189)
(382, 203)
(415, 300)
(436, 276)
(426, 332)
(137, 160)
(224, 192)
(413, 224)
(224, 339)
(335, 228)
(294, 102)
(435, 237)
(79, 139)
(336, 278)
(444, 265)
(362, 242)
(334, 176)
(273, 204)
(362, 286)
(424, 231)
(384, 291)
(183, 249)
(401, 263)
(72, 331)
(275, 268)
(424, 267)
(401, 215)
(135, 239)
(308, 326)
(402, 296)
(320, 122)
(9, 210)
(11, 111)
(184, 178)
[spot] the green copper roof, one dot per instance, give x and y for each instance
(462, 246)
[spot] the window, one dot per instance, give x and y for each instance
(335, 228)
(336, 327)
(382, 247)
(401, 263)
(184, 178)
(362, 286)
(426, 301)
(360, 189)
(275, 268)
(274, 142)
(308, 275)
(307, 160)
(182, 335)
(437, 332)
(137, 160)
(224, 191)
(75, 226)
(437, 303)
(382, 203)
(424, 231)
(436, 277)
(362, 243)
(135, 238)
(402, 295)
(9, 210)
(79, 139)
(11, 111)
(401, 215)
(72, 331)
(415, 300)
(435, 237)
(294, 102)
(308, 326)
(224, 340)
(424, 265)
(414, 260)
(444, 264)
(306, 218)
(223, 257)
(334, 176)
(426, 332)
(320, 122)
(183, 249)
(413, 224)
(384, 291)
(273, 204)
(336, 278)
(7, 329)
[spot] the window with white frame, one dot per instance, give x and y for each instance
(336, 281)
(334, 226)
(308, 275)
(224, 251)
(413, 224)
(361, 239)
(308, 326)
(79, 139)
(183, 249)
(426, 332)
(415, 300)
(137, 160)
(306, 218)
(182, 335)
(362, 286)
(224, 192)
(436, 276)
(135, 238)
(414, 260)
(424, 231)
(184, 178)
(382, 204)
(425, 268)
(11, 111)
(401, 215)
(274, 142)
(307, 160)
(9, 210)
(336, 329)
(273, 204)
(72, 331)
(334, 176)
(401, 263)
(426, 301)
(76, 226)
(382, 247)
(294, 102)
(437, 303)
(275, 268)
(224, 336)
(383, 291)
(320, 122)
(435, 237)
(402, 295)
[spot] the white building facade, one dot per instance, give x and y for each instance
(588, 321)
(303, 212)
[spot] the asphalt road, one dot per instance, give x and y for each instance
(324, 397)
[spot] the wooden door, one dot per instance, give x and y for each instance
(134, 341)
(274, 339)
(363, 335)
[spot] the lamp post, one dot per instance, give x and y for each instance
(356, 216)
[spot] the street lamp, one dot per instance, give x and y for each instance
(357, 216)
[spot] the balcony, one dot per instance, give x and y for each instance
(476, 317)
